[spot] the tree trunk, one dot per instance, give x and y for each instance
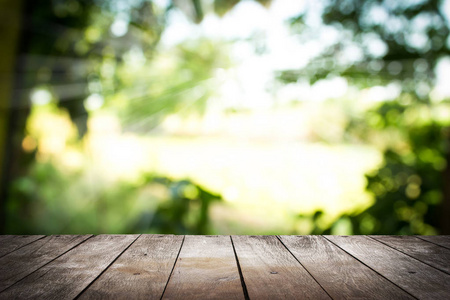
(445, 212)
(14, 104)
(10, 28)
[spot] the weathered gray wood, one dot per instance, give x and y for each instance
(271, 272)
(9, 243)
(424, 251)
(24, 261)
(206, 269)
(341, 275)
(141, 272)
(441, 240)
(68, 275)
(415, 277)
(367, 267)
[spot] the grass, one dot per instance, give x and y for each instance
(266, 185)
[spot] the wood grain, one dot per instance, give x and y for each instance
(31, 257)
(271, 272)
(141, 272)
(68, 275)
(341, 275)
(206, 269)
(441, 240)
(415, 277)
(9, 243)
(424, 251)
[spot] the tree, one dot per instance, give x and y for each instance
(59, 46)
(397, 43)
(73, 49)
(10, 34)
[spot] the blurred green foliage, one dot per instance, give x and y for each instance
(79, 48)
(186, 211)
(379, 42)
(70, 49)
(411, 37)
(66, 44)
(50, 200)
(180, 80)
(409, 185)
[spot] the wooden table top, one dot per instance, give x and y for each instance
(224, 267)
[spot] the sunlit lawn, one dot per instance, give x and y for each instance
(265, 183)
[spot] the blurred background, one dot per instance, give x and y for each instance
(225, 116)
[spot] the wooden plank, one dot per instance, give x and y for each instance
(206, 269)
(424, 251)
(28, 259)
(141, 272)
(68, 275)
(441, 240)
(271, 272)
(342, 276)
(9, 243)
(415, 277)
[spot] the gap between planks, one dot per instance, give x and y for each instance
(411, 275)
(104, 270)
(360, 261)
(19, 244)
(439, 240)
(416, 256)
(278, 237)
(67, 271)
(340, 274)
(206, 268)
(173, 267)
(244, 287)
(23, 264)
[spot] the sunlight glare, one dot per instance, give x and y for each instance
(120, 26)
(40, 97)
(93, 102)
